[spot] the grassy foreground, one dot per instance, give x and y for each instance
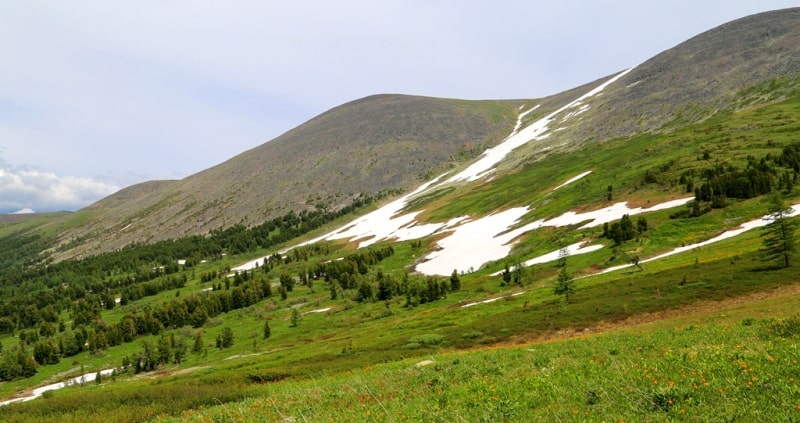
(743, 371)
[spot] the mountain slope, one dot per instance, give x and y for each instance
(509, 199)
(308, 319)
(687, 83)
(365, 146)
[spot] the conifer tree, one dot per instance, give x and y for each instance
(564, 284)
(779, 241)
(455, 281)
(225, 338)
(199, 345)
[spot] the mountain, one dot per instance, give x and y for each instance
(690, 82)
(376, 143)
(624, 222)
(393, 141)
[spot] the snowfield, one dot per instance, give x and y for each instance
(477, 242)
(535, 131)
(468, 242)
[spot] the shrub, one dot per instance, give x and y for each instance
(786, 328)
(427, 339)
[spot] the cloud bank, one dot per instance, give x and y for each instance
(26, 190)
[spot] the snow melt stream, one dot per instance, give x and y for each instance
(79, 380)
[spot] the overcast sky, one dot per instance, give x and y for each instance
(96, 95)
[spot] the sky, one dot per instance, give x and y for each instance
(97, 95)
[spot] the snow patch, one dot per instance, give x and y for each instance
(250, 265)
(605, 215)
(79, 380)
(535, 131)
(474, 243)
(522, 116)
(571, 250)
(744, 227)
(381, 224)
(469, 246)
(491, 300)
(571, 180)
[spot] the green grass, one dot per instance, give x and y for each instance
(728, 137)
(358, 361)
(711, 372)
(345, 341)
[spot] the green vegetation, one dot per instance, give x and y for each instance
(714, 372)
(564, 284)
(779, 243)
(325, 332)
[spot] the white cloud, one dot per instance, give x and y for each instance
(22, 190)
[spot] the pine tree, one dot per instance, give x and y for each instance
(199, 345)
(364, 291)
(225, 338)
(518, 274)
(164, 350)
(179, 350)
(295, 318)
(778, 235)
(287, 281)
(267, 330)
(284, 293)
(455, 281)
(564, 284)
(386, 288)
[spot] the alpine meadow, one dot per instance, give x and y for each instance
(622, 251)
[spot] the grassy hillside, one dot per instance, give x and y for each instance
(329, 365)
(324, 358)
(329, 332)
(711, 372)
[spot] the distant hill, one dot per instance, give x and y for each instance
(365, 146)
